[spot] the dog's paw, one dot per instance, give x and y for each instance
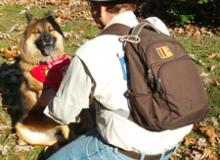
(21, 142)
(65, 131)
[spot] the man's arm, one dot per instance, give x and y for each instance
(72, 96)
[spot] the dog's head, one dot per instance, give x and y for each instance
(42, 38)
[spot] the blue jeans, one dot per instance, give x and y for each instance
(91, 146)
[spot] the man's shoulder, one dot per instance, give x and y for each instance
(98, 44)
(102, 39)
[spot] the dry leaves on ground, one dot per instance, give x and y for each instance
(203, 143)
(194, 31)
(214, 55)
(9, 53)
(35, 2)
(5, 36)
(211, 133)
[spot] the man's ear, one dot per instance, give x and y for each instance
(103, 9)
(28, 16)
(105, 16)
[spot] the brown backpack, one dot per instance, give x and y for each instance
(165, 89)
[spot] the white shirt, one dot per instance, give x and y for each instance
(103, 57)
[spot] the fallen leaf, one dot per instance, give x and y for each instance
(213, 157)
(217, 83)
(204, 74)
(196, 35)
(180, 31)
(65, 2)
(3, 127)
(21, 156)
(207, 152)
(203, 30)
(17, 27)
(208, 78)
(189, 139)
(25, 148)
(214, 55)
(68, 35)
(212, 68)
(196, 155)
(9, 53)
(211, 133)
(5, 36)
(202, 143)
(4, 149)
(214, 121)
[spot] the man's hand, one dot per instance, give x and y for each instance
(46, 96)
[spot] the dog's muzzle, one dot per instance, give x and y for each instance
(46, 43)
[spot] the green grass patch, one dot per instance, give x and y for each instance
(14, 15)
(10, 16)
(214, 100)
(202, 48)
(81, 32)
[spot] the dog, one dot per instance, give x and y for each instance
(42, 63)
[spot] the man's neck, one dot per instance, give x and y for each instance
(121, 17)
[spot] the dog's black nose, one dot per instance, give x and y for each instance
(47, 38)
(46, 43)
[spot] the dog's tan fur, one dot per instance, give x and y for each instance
(34, 127)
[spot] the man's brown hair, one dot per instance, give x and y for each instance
(115, 7)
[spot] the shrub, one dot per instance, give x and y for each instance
(179, 12)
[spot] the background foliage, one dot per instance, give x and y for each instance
(179, 12)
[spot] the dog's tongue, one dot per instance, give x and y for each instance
(48, 49)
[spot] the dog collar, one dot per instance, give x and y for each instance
(51, 73)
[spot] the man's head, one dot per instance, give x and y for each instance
(104, 10)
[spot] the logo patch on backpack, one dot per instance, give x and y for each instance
(164, 52)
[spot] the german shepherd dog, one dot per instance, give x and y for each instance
(42, 42)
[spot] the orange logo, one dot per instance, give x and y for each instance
(164, 52)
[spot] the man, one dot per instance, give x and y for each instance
(97, 71)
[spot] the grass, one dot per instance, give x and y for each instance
(13, 15)
(201, 49)
(81, 31)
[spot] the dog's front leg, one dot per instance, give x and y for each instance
(46, 95)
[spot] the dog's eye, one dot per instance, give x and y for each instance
(37, 31)
(51, 29)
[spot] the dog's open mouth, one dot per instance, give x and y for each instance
(46, 50)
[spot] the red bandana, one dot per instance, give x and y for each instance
(51, 73)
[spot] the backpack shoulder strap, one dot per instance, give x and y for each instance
(121, 29)
(145, 23)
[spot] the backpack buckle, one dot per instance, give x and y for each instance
(127, 93)
(130, 38)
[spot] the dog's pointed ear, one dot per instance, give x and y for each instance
(50, 18)
(29, 16)
(49, 13)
